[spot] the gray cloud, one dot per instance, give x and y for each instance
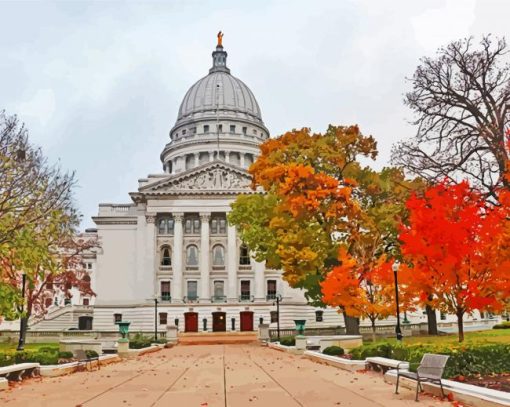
(99, 83)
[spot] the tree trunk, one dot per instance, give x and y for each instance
(460, 324)
(351, 325)
(431, 320)
(373, 330)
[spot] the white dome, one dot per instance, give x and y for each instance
(219, 93)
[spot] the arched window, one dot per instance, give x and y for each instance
(192, 255)
(166, 259)
(218, 254)
(244, 255)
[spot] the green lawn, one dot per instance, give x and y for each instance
(488, 336)
(28, 346)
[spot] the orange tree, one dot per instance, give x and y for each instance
(318, 198)
(456, 243)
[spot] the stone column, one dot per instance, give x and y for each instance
(242, 160)
(177, 259)
(259, 267)
(205, 261)
(197, 159)
(232, 262)
(227, 156)
(211, 156)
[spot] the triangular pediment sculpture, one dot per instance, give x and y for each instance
(215, 177)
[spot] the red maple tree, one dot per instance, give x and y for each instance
(454, 242)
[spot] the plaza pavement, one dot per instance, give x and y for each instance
(213, 375)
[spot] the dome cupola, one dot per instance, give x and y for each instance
(219, 118)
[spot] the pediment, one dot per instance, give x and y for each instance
(215, 177)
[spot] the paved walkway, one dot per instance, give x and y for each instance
(213, 375)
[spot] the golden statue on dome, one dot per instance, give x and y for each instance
(220, 39)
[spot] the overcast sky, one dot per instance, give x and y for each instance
(99, 83)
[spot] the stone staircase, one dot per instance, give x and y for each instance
(217, 338)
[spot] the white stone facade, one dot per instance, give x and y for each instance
(173, 242)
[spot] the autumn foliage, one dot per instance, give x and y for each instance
(457, 244)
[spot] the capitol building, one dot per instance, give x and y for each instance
(173, 242)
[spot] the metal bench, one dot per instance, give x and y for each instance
(82, 357)
(17, 372)
(430, 369)
(384, 364)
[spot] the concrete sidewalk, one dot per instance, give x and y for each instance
(213, 375)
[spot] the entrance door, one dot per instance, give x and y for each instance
(246, 321)
(219, 322)
(190, 322)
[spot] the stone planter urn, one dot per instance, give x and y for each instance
(123, 343)
(123, 330)
(300, 326)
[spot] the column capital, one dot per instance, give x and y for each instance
(178, 216)
(205, 216)
(150, 217)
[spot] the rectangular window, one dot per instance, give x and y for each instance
(232, 128)
(206, 128)
(245, 130)
(442, 316)
(163, 316)
(193, 130)
(245, 290)
(117, 318)
(319, 316)
(223, 226)
(271, 289)
(165, 290)
(86, 301)
(274, 316)
(89, 266)
(192, 290)
(219, 290)
(220, 128)
(184, 132)
(214, 226)
(196, 226)
(188, 226)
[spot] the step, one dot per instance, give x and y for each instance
(217, 338)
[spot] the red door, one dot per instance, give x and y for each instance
(190, 322)
(246, 321)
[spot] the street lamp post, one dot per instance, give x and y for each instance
(398, 331)
(22, 319)
(155, 319)
(278, 298)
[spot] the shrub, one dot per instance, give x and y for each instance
(44, 358)
(502, 325)
(288, 341)
(376, 349)
(333, 351)
(89, 353)
(47, 349)
(6, 359)
(65, 355)
(138, 341)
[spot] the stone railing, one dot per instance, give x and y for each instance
(55, 336)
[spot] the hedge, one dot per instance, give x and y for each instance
(138, 341)
(333, 351)
(288, 341)
(465, 360)
(502, 325)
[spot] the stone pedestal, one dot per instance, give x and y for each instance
(264, 332)
(301, 342)
(171, 334)
(123, 347)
